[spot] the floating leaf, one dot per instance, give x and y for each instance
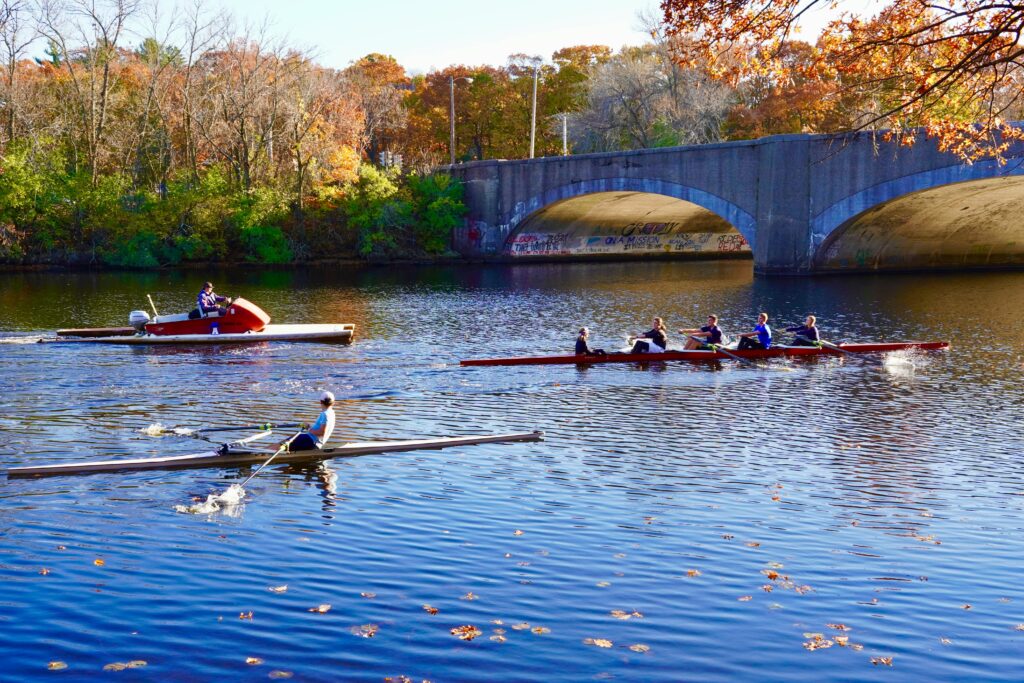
(768, 587)
(321, 609)
(1019, 627)
(776, 565)
(540, 630)
(753, 544)
(253, 661)
(469, 596)
(728, 537)
(61, 547)
(817, 642)
(500, 631)
(636, 615)
(44, 571)
(245, 615)
(430, 610)
(600, 642)
(745, 598)
(857, 647)
(620, 556)
(693, 572)
(887, 661)
(603, 584)
(98, 562)
(945, 641)
(278, 673)
(620, 614)
(368, 596)
(136, 664)
(115, 666)
(498, 638)
(521, 626)
(842, 641)
(497, 622)
(770, 573)
(517, 532)
(56, 666)
(278, 589)
(467, 632)
(365, 631)
(838, 627)
(640, 648)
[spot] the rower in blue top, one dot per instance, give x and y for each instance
(806, 334)
(710, 334)
(760, 338)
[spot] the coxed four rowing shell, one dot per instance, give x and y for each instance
(246, 456)
(703, 356)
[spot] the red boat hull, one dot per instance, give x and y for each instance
(242, 316)
(707, 356)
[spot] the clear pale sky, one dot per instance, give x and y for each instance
(427, 34)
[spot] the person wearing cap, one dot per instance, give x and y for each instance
(582, 348)
(317, 435)
(207, 301)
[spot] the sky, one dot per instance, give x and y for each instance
(427, 35)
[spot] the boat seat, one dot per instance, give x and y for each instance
(170, 318)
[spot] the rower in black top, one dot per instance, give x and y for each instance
(710, 333)
(806, 334)
(654, 340)
(582, 348)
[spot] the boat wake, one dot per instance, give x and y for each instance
(231, 498)
(21, 340)
(157, 429)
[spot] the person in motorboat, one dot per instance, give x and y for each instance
(654, 340)
(806, 334)
(317, 435)
(583, 348)
(760, 338)
(207, 302)
(704, 337)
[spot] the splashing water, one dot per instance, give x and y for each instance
(215, 501)
(157, 429)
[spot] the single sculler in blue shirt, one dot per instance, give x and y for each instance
(760, 338)
(317, 435)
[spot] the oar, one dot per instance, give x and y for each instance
(827, 345)
(745, 361)
(266, 426)
(279, 451)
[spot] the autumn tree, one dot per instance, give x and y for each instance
(952, 68)
(379, 85)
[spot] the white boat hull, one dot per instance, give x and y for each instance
(247, 456)
(281, 333)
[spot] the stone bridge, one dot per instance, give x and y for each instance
(794, 203)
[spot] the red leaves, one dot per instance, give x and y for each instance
(467, 632)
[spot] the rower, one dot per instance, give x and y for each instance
(760, 338)
(806, 334)
(207, 301)
(711, 333)
(654, 340)
(317, 435)
(582, 348)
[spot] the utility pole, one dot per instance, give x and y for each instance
(533, 109)
(565, 135)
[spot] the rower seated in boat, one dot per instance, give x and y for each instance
(760, 338)
(207, 302)
(317, 435)
(583, 348)
(654, 340)
(806, 334)
(704, 337)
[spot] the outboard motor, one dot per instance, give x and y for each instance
(138, 320)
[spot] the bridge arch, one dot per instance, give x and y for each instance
(643, 194)
(944, 217)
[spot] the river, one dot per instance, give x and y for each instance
(713, 523)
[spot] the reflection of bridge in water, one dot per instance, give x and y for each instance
(795, 203)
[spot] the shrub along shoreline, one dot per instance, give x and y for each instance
(56, 219)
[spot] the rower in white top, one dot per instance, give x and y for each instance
(317, 435)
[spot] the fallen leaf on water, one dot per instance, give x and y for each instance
(599, 642)
(693, 572)
(469, 596)
(522, 626)
(115, 666)
(467, 632)
(882, 660)
(368, 596)
(517, 532)
(838, 627)
(945, 641)
(965, 606)
(253, 660)
(637, 615)
(277, 673)
(856, 647)
(770, 573)
(497, 622)
(1019, 627)
(321, 609)
(603, 584)
(728, 537)
(56, 666)
(817, 642)
(498, 638)
(640, 648)
(776, 565)
(803, 589)
(365, 631)
(277, 589)
(745, 598)
(98, 562)
(44, 571)
(136, 664)
(620, 556)
(776, 498)
(842, 641)
(245, 615)
(753, 544)
(430, 609)
(541, 630)
(398, 679)
(768, 587)
(61, 547)
(620, 614)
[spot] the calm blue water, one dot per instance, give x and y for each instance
(735, 509)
